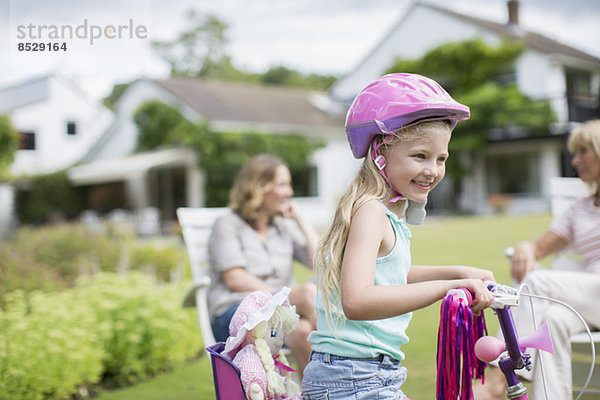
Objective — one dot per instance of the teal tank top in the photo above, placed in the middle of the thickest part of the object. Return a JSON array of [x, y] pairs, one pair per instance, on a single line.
[[367, 339]]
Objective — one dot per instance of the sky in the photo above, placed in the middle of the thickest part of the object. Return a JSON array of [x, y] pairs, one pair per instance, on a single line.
[[109, 41]]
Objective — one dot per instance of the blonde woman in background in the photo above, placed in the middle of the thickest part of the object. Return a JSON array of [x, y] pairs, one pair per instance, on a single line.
[[254, 247], [578, 226]]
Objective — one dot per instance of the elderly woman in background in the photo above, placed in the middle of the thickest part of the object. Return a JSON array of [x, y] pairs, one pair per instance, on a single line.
[[255, 245], [579, 226]]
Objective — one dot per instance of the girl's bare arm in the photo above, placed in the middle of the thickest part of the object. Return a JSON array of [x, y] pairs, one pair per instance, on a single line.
[[363, 300]]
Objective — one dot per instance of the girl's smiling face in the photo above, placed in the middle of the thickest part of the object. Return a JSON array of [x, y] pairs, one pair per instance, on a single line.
[[415, 166]]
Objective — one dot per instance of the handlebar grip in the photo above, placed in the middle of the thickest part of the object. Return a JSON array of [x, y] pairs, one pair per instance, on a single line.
[[491, 285], [463, 294]]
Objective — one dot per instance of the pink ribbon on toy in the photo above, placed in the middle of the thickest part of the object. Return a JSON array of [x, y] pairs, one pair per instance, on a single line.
[[282, 365]]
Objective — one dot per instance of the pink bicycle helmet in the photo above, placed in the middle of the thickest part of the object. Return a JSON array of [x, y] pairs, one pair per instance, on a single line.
[[396, 101]]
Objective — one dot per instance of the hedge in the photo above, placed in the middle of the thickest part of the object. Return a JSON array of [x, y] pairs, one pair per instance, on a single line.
[[51, 257], [108, 328]]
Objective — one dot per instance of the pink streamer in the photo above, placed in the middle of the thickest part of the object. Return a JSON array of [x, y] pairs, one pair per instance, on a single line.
[[456, 361]]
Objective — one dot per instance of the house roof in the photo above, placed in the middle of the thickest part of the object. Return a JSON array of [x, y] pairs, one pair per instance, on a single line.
[[253, 103], [24, 93], [119, 169], [531, 39]]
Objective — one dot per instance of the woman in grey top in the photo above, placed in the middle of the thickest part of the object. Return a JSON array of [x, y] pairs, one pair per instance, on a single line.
[[254, 247]]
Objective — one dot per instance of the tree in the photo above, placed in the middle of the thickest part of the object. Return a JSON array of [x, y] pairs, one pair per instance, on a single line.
[[220, 154], [45, 196], [198, 51], [284, 76], [474, 73], [156, 122], [463, 66], [110, 101], [9, 144]]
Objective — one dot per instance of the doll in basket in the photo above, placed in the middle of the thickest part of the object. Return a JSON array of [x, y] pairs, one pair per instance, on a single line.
[[256, 331]]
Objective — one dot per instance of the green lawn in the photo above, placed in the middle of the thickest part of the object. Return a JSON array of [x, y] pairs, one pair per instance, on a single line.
[[193, 381], [476, 241]]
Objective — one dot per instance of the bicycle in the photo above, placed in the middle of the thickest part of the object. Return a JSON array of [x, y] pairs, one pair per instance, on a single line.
[[512, 352]]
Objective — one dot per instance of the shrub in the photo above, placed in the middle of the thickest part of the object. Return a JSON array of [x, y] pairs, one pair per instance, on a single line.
[[9, 144], [120, 329], [160, 259], [42, 198], [19, 270], [53, 256], [59, 247], [144, 329], [48, 346]]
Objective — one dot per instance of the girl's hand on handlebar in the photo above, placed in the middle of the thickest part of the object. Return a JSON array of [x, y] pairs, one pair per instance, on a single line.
[[482, 297]]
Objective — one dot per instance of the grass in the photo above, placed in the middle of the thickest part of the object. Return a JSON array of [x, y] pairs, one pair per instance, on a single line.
[[192, 381], [476, 241]]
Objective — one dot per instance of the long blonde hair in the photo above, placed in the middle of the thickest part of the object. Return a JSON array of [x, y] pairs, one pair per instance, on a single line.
[[368, 184], [284, 318], [587, 136], [251, 184]]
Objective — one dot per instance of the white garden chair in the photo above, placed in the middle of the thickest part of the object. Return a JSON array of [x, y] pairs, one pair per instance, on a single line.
[[196, 225]]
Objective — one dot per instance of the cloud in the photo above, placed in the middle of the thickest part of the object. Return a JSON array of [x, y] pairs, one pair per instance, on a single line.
[[310, 35]]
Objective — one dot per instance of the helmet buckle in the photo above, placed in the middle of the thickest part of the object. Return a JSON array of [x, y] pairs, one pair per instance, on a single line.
[[380, 162]]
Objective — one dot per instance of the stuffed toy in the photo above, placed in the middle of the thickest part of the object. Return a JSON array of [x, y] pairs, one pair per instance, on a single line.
[[256, 331]]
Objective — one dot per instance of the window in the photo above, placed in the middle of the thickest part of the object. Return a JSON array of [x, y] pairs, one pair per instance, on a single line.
[[305, 182], [27, 141], [578, 84], [582, 102], [71, 128], [513, 173]]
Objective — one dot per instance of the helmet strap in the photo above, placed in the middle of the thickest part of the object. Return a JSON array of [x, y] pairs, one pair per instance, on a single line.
[[413, 211], [380, 163]]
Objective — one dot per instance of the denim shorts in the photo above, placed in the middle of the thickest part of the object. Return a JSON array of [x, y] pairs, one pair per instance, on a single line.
[[220, 326], [330, 377]]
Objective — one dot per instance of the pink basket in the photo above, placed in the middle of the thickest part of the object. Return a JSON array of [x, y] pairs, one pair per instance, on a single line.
[[226, 376]]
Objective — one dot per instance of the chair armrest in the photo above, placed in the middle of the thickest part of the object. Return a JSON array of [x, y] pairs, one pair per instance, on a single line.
[[583, 337], [189, 300]]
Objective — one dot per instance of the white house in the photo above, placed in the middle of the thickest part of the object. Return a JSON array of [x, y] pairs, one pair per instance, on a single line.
[[225, 106], [511, 162], [60, 127], [56, 120], [57, 124]]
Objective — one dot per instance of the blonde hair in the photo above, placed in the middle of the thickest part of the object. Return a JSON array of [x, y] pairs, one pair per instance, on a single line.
[[283, 318], [587, 136], [251, 184], [368, 184]]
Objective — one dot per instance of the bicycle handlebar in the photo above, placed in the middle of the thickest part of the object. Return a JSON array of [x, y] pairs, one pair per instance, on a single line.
[[506, 321], [504, 298], [490, 347]]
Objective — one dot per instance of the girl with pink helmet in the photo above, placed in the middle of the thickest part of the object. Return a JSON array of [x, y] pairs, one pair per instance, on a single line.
[[367, 288]]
